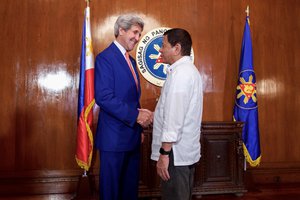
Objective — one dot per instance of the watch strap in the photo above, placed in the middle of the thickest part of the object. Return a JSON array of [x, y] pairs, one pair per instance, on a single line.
[[164, 152]]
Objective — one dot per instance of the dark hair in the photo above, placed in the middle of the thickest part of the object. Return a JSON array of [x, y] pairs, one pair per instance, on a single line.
[[181, 36]]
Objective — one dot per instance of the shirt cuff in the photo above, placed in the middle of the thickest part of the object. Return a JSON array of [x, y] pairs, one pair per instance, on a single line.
[[169, 137]]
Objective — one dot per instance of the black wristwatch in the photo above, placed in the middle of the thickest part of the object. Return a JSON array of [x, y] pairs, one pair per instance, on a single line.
[[163, 152]]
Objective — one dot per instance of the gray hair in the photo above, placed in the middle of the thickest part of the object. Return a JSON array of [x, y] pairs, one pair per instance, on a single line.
[[126, 21]]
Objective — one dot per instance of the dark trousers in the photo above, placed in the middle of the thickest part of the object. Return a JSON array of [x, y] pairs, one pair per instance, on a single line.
[[180, 185], [119, 175]]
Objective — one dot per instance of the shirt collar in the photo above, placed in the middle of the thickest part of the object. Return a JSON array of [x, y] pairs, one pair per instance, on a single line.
[[177, 63], [120, 47]]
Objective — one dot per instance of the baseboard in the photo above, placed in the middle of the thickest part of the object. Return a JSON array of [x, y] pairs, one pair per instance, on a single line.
[[40, 182], [274, 175], [67, 181]]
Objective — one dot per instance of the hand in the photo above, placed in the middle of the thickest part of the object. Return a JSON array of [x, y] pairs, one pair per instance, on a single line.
[[145, 117], [162, 167]]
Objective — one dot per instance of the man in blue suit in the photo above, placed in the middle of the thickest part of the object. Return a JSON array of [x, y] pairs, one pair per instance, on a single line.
[[120, 122]]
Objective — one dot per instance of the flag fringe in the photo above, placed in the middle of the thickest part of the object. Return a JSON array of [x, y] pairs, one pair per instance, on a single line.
[[253, 163], [81, 163]]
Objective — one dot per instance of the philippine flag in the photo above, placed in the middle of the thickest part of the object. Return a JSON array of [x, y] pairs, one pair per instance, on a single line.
[[86, 99]]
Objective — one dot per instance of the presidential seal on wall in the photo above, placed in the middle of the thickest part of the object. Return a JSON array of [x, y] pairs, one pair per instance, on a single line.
[[148, 57]]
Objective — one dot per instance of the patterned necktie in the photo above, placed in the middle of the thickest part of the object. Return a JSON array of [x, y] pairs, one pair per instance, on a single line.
[[131, 69]]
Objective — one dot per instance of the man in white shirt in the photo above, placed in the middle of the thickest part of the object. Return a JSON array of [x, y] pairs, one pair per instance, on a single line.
[[177, 118]]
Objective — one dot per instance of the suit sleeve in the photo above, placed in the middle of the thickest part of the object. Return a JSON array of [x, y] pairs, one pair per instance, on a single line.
[[105, 94]]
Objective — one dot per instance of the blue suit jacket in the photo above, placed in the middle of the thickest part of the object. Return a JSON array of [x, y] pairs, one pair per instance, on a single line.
[[117, 95]]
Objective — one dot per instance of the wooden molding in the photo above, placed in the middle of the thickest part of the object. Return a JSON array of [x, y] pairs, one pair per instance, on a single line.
[[39, 182], [66, 181], [274, 175]]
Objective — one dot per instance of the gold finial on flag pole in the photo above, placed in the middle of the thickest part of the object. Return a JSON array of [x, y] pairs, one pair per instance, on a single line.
[[87, 3], [247, 11]]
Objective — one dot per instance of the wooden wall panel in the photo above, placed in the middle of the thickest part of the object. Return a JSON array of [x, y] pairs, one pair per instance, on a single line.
[[276, 52], [40, 53]]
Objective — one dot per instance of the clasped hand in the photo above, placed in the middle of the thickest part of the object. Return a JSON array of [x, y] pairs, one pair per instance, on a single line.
[[145, 117]]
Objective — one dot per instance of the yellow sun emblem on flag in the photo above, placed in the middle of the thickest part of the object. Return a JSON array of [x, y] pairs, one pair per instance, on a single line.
[[248, 89], [89, 47]]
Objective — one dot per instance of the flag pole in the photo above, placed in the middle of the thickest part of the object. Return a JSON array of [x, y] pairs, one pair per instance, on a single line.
[[85, 171], [247, 11], [85, 187], [87, 3]]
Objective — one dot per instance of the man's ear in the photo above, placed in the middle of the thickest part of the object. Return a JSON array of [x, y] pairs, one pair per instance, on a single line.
[[177, 49], [121, 31]]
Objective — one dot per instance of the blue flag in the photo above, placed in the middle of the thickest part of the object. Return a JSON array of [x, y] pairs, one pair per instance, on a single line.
[[245, 108]]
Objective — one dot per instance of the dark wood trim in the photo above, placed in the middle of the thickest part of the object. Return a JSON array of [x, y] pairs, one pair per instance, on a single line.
[[39, 181], [279, 175], [66, 181]]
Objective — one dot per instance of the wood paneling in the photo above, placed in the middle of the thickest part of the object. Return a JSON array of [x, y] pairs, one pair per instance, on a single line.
[[276, 35], [40, 53]]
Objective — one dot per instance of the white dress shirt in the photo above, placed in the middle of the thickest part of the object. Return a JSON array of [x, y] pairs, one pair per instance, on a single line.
[[178, 113]]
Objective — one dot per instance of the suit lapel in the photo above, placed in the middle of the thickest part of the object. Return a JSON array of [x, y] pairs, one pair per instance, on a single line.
[[124, 66]]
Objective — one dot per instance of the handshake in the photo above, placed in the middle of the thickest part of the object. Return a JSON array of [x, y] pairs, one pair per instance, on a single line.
[[145, 117]]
